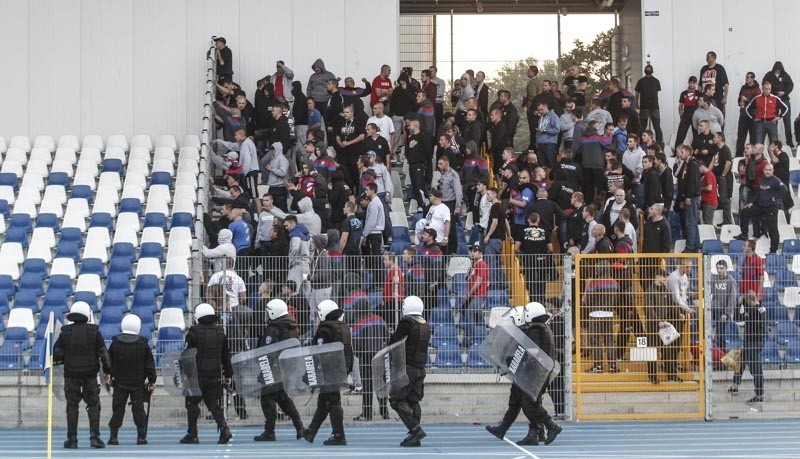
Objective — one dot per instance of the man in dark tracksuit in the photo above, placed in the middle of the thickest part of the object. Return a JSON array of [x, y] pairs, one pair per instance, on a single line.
[[764, 202], [660, 309], [131, 363], [331, 330], [754, 316], [212, 355], [281, 327], [418, 152], [405, 401], [82, 350], [688, 198]]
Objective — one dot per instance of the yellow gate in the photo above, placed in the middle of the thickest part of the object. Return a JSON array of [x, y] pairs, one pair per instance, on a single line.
[[639, 344]]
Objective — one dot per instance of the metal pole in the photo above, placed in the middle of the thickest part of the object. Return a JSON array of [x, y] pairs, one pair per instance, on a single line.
[[451, 50], [558, 29], [566, 308], [20, 363]]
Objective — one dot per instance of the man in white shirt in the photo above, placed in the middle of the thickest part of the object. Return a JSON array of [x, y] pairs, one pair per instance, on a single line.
[[438, 218], [384, 123], [233, 287], [678, 286]]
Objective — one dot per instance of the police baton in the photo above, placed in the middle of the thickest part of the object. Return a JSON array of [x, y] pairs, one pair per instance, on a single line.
[[148, 397]]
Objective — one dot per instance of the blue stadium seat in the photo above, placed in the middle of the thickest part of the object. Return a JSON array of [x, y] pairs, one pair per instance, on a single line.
[[731, 336], [58, 178], [68, 250], [399, 233], [497, 298], [47, 221], [12, 352], [7, 286], [144, 300], [770, 352], [31, 283], [73, 235], [89, 298], [9, 179], [161, 178], [736, 247], [17, 234], [82, 191], [712, 247], [5, 211], [102, 220], [775, 263], [115, 299], [169, 338], [109, 331], [26, 299], [176, 282], [148, 283], [794, 178], [93, 266], [784, 279], [130, 205], [109, 315], [21, 221], [35, 266], [441, 316], [793, 351], [183, 220], [34, 362], [112, 165], [444, 334], [399, 246], [448, 355], [120, 265], [775, 310], [152, 250], [474, 359], [117, 283], [60, 283], [790, 248], [124, 250], [155, 220], [146, 317], [57, 303], [4, 306], [785, 331], [175, 298]]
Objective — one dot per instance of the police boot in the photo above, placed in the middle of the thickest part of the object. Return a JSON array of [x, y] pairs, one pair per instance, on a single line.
[[500, 430], [308, 435], [553, 430], [225, 435], [414, 437], [96, 442], [532, 437], [112, 438], [268, 434], [71, 443], [336, 439], [190, 439]]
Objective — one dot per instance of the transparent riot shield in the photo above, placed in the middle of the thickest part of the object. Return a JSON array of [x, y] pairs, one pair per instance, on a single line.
[[57, 373], [528, 366], [320, 368], [389, 369], [179, 370], [257, 370]]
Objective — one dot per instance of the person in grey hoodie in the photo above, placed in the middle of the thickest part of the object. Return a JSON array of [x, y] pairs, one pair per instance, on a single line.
[[224, 249], [299, 251], [724, 298], [320, 278], [277, 168], [308, 218], [317, 87]]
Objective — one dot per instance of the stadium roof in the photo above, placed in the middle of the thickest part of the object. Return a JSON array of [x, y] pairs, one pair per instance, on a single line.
[[509, 6]]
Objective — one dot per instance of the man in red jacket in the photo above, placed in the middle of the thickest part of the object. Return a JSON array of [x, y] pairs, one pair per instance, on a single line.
[[766, 110], [752, 269]]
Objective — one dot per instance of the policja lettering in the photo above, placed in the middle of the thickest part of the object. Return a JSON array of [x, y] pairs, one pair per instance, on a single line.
[[266, 370], [310, 371], [516, 359], [387, 368]]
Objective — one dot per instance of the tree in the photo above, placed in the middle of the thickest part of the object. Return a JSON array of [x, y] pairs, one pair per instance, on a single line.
[[594, 60]]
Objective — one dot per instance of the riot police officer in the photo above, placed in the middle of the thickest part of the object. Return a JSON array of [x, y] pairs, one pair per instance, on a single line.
[[332, 329], [131, 364], [82, 350], [212, 354], [405, 401], [281, 326]]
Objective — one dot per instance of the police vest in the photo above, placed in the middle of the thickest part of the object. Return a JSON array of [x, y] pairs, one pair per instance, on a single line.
[[128, 360], [540, 334], [277, 331], [417, 342], [80, 354], [210, 342], [340, 333]]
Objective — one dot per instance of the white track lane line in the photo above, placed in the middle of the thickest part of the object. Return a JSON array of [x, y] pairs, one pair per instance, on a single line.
[[523, 450]]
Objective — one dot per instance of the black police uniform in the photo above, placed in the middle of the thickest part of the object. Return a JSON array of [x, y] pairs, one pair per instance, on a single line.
[[540, 333], [131, 363], [82, 350], [369, 334], [212, 354], [332, 330], [280, 329], [405, 401]]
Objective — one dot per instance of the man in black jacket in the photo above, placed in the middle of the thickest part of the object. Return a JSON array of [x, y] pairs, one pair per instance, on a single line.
[[764, 202], [688, 198], [131, 363], [212, 355], [657, 239], [281, 326], [666, 179], [417, 333], [661, 311], [418, 153], [782, 86], [331, 330], [82, 350], [651, 183], [754, 316]]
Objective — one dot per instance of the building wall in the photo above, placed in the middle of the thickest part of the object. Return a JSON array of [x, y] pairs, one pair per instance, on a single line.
[[746, 36], [137, 66]]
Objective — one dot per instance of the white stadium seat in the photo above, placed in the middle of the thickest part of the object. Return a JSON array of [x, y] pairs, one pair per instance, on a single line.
[[117, 141], [166, 141], [46, 142], [69, 141], [93, 141], [20, 141], [142, 141]]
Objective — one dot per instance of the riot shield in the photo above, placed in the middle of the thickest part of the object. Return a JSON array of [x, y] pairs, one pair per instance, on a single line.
[[389, 369], [310, 368], [525, 363], [57, 373], [257, 370], [179, 370]]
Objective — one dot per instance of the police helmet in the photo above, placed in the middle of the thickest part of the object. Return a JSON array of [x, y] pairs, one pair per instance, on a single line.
[[517, 314], [277, 308], [131, 324], [203, 310], [412, 306], [82, 308], [326, 307], [534, 310]]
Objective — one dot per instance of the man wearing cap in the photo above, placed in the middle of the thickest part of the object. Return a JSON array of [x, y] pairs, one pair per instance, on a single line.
[[131, 365], [385, 127], [475, 298], [82, 350], [224, 58], [376, 143], [383, 179]]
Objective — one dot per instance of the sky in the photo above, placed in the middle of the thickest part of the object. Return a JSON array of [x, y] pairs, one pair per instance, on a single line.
[[515, 38]]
